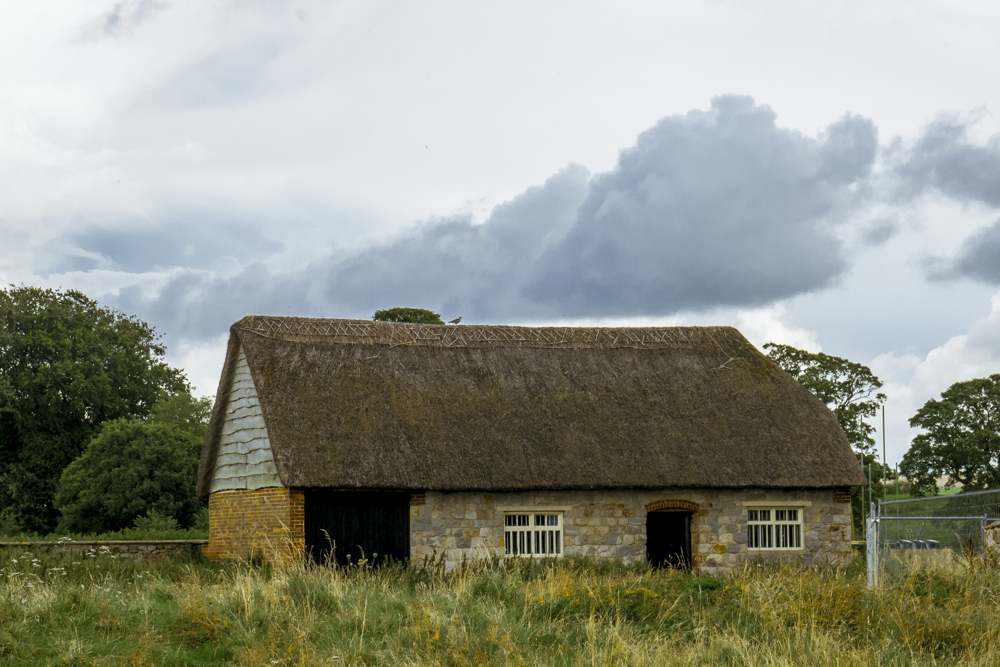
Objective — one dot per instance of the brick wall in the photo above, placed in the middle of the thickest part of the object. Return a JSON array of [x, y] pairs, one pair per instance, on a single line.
[[612, 524], [264, 523]]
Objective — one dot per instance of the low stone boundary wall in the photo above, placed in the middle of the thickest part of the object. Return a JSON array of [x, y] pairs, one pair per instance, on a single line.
[[138, 550]]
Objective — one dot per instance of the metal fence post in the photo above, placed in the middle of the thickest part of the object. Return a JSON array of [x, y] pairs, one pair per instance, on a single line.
[[871, 547]]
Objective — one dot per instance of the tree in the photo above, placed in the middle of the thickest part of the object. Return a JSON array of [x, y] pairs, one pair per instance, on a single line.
[[847, 388], [413, 315], [961, 439], [186, 412], [851, 391], [67, 367], [131, 468]]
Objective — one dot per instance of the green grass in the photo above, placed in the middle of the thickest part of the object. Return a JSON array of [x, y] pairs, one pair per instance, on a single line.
[[944, 491], [99, 611], [126, 534]]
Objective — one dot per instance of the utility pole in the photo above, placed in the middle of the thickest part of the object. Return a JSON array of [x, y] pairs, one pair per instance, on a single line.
[[884, 460]]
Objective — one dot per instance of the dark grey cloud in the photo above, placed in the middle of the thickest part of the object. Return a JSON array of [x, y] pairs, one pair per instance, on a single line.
[[453, 266], [463, 268], [194, 241], [879, 232], [977, 259], [123, 17], [945, 159], [713, 208], [196, 305]]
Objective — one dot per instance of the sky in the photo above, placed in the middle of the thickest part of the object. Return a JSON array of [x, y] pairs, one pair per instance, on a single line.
[[825, 176]]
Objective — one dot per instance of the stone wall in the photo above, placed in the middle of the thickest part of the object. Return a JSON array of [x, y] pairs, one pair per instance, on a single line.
[[138, 550], [263, 523], [612, 524]]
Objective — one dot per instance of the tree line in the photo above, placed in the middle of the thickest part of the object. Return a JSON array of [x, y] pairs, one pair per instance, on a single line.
[[96, 430], [98, 433]]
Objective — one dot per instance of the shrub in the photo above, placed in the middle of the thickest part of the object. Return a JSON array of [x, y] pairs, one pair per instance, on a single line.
[[131, 468]]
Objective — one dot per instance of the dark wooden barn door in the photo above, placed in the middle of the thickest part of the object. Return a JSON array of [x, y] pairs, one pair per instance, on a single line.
[[668, 539], [357, 524]]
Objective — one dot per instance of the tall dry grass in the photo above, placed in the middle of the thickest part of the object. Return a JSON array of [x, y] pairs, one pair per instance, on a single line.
[[98, 611]]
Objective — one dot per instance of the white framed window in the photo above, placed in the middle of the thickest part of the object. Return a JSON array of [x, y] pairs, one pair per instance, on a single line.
[[774, 528], [533, 534]]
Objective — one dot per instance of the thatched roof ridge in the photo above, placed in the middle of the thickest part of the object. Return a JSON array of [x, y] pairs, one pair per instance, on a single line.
[[368, 332], [375, 405]]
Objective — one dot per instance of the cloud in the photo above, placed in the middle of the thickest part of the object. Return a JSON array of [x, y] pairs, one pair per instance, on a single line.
[[123, 17], [717, 208], [912, 380], [176, 240], [879, 232], [713, 208], [463, 268], [453, 266], [945, 159], [977, 259]]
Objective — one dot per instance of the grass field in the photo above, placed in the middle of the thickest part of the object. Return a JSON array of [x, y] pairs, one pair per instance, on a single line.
[[98, 611]]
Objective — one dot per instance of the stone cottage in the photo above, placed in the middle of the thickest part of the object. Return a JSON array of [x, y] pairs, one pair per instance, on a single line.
[[351, 439]]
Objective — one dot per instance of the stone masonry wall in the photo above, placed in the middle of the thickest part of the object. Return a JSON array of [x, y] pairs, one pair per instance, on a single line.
[[134, 550], [264, 523], [612, 524]]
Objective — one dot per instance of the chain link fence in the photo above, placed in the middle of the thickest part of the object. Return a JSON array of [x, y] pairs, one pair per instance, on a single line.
[[934, 529]]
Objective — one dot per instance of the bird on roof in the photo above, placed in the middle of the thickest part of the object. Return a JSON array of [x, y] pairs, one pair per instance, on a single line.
[[456, 320]]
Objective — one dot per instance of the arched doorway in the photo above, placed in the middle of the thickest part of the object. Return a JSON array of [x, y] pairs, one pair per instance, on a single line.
[[668, 533]]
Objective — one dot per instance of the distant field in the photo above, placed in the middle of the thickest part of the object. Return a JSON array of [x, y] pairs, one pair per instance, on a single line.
[[97, 611], [904, 496]]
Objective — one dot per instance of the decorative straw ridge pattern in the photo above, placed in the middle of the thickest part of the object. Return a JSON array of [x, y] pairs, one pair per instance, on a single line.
[[476, 336]]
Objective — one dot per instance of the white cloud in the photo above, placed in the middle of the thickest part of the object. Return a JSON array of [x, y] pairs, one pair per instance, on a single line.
[[202, 362], [911, 380]]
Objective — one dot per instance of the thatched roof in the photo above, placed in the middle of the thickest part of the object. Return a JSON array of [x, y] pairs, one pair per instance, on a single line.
[[373, 405]]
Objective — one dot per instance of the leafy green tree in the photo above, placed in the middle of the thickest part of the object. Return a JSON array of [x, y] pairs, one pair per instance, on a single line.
[[186, 412], [961, 439], [848, 388], [851, 391], [131, 468], [67, 366], [412, 315]]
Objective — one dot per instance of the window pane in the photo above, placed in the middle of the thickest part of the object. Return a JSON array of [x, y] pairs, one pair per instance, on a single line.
[[752, 515], [530, 535], [793, 515], [779, 515]]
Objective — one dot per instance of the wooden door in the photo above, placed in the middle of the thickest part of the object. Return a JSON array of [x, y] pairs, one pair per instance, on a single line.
[[354, 525]]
